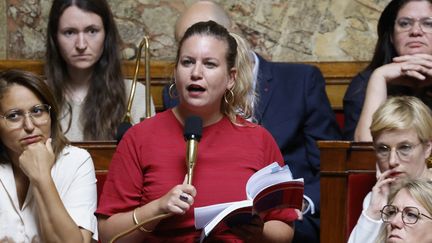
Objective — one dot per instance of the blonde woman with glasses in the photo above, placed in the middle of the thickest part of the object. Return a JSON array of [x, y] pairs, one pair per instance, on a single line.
[[47, 187], [402, 134], [408, 215]]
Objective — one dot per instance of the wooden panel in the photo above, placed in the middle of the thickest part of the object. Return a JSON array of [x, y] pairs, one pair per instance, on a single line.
[[35, 66], [100, 151], [335, 93], [337, 75], [338, 160], [158, 69], [339, 70]]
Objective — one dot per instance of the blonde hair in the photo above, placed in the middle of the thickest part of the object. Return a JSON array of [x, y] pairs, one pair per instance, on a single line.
[[419, 189], [403, 112], [243, 90]]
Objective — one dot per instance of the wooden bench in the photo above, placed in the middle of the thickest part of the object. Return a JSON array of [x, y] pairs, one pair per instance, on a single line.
[[343, 165], [336, 74], [101, 153]]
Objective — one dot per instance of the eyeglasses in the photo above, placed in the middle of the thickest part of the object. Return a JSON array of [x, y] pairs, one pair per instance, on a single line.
[[410, 215], [406, 24], [403, 151], [39, 114]]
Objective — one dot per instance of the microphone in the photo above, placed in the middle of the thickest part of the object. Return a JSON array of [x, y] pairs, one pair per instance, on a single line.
[[192, 135]]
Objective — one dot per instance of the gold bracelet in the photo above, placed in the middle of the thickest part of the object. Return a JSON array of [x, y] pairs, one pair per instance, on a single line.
[[135, 220]]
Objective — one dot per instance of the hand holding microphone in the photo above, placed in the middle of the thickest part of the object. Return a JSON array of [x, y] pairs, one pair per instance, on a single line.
[[179, 199], [192, 135]]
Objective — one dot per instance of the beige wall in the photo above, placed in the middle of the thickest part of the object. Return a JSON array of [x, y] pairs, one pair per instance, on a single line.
[[282, 30]]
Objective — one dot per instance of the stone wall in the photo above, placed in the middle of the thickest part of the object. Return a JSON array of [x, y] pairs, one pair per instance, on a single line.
[[281, 30]]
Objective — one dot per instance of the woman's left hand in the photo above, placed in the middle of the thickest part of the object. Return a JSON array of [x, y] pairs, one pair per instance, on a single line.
[[37, 160], [417, 66]]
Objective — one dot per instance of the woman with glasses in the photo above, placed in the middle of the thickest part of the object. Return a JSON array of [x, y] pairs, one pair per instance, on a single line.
[[402, 137], [47, 187], [408, 215], [401, 65]]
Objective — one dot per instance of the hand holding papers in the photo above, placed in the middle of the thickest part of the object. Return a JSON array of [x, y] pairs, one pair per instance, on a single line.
[[269, 188]]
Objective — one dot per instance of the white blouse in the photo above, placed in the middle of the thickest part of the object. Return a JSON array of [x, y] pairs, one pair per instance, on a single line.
[[74, 177]]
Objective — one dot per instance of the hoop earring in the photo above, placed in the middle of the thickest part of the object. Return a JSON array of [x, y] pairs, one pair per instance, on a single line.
[[229, 97], [172, 91], [429, 162]]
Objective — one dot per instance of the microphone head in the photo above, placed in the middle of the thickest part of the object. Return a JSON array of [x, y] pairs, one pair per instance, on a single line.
[[193, 128], [121, 130]]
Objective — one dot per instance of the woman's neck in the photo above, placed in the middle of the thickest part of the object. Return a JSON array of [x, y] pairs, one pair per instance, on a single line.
[[78, 84], [79, 77], [208, 118]]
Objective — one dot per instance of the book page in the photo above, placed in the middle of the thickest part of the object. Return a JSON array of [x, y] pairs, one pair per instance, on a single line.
[[203, 215], [267, 176], [282, 195], [232, 208]]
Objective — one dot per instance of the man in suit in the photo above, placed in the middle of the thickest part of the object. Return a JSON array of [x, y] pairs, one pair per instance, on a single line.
[[292, 105]]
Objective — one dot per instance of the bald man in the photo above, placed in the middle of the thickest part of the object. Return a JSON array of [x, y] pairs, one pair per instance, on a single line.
[[199, 12], [292, 105]]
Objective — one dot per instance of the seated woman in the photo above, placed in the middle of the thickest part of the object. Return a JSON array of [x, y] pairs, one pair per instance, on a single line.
[[401, 65], [402, 136], [83, 68], [147, 170], [414, 201], [47, 187]]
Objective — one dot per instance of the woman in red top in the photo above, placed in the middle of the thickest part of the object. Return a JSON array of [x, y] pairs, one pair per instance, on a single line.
[[147, 170]]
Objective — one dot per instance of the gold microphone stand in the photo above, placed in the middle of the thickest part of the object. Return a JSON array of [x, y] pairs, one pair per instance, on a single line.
[[144, 43], [127, 118]]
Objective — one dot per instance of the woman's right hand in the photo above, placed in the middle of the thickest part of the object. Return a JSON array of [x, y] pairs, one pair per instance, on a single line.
[[178, 200], [37, 160], [380, 193]]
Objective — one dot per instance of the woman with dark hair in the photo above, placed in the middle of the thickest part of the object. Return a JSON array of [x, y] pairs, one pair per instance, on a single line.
[[147, 170], [47, 187], [400, 65], [83, 67]]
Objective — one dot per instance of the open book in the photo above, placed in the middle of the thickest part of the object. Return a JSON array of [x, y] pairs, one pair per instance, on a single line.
[[269, 188]]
